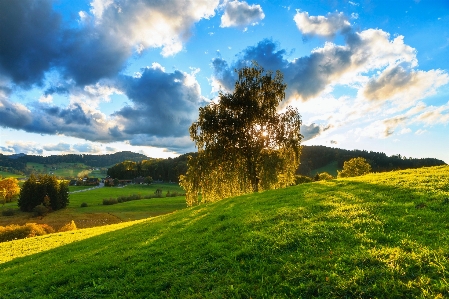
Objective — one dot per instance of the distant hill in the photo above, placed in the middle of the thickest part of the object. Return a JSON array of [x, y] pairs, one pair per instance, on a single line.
[[18, 162], [312, 159]]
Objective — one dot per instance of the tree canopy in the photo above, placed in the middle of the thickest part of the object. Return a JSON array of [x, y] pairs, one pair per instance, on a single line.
[[9, 188], [244, 143], [355, 167], [43, 189]]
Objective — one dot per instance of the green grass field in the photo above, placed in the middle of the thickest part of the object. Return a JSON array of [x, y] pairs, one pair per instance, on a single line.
[[96, 213], [382, 235], [66, 170], [5, 175]]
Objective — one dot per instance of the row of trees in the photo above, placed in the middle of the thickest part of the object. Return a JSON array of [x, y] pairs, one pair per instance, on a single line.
[[317, 156], [43, 190], [159, 169]]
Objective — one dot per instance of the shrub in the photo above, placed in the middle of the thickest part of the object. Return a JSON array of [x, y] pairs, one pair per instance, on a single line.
[[12, 232], [40, 210], [355, 167], [324, 176], [68, 227], [84, 205], [301, 179], [110, 201], [8, 212]]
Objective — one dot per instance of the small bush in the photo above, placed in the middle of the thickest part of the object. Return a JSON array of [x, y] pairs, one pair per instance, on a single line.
[[110, 201], [301, 179], [84, 205], [40, 210], [13, 231], [324, 176], [8, 212], [68, 227]]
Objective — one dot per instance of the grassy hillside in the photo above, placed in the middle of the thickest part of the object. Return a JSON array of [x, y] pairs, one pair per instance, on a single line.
[[378, 236]]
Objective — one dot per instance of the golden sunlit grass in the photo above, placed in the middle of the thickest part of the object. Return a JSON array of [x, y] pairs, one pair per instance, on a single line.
[[19, 248]]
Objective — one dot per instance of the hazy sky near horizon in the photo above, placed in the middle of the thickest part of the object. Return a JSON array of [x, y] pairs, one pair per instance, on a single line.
[[96, 77]]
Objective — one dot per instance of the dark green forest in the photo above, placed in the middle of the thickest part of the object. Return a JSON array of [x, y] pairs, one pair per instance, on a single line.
[[119, 166]]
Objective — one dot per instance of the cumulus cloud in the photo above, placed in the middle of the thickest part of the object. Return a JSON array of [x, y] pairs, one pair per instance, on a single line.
[[101, 43], [320, 25], [435, 115], [398, 80], [26, 147], [381, 71], [241, 14], [364, 53], [62, 147], [87, 148], [313, 130], [163, 104], [29, 29]]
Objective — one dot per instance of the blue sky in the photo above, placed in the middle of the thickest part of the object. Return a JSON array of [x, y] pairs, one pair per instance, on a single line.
[[96, 77]]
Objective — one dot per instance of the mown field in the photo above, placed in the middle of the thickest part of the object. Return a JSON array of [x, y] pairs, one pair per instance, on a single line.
[[96, 213], [377, 236]]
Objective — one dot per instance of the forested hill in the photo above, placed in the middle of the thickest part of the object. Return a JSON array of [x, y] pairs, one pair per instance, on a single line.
[[18, 162], [313, 157]]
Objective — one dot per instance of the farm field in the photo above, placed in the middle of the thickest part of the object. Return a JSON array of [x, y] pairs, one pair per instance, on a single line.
[[382, 235], [5, 175], [96, 213], [66, 170]]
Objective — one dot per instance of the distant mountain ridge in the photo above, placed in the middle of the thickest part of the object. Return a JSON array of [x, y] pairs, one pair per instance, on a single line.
[[19, 161]]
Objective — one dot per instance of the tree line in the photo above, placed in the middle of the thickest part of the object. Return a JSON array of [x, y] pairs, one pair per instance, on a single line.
[[167, 170], [313, 157], [19, 162]]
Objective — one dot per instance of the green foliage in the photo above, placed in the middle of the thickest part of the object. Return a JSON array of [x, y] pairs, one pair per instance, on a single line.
[[244, 144], [301, 179], [13, 232], [40, 211], [8, 212], [39, 188], [84, 205], [110, 201], [355, 167], [324, 176], [9, 189], [68, 227]]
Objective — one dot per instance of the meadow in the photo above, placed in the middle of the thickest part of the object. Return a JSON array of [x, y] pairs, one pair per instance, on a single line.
[[382, 235], [96, 214], [66, 170]]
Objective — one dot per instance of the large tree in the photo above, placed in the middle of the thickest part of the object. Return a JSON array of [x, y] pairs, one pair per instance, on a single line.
[[244, 143], [355, 167], [9, 188]]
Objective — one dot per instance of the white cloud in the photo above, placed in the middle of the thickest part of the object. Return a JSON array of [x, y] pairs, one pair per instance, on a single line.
[[240, 14], [321, 25], [151, 24]]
